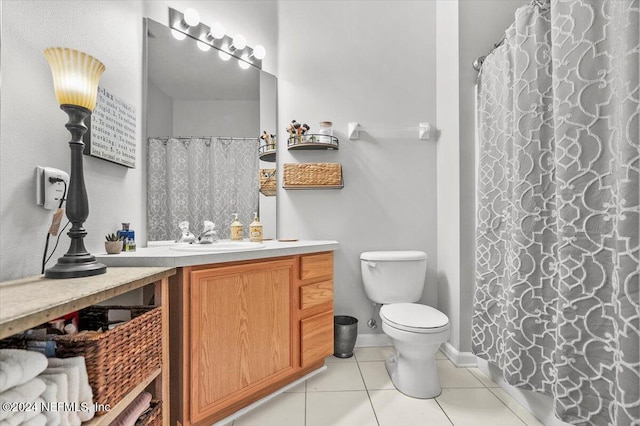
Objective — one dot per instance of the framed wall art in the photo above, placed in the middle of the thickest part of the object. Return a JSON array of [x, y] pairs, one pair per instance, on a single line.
[[112, 130]]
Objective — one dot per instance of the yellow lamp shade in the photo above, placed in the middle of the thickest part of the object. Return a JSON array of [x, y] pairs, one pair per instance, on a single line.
[[75, 76]]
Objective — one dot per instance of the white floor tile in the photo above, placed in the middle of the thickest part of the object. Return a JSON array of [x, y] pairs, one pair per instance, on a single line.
[[332, 358], [440, 355], [476, 407], [486, 380], [375, 375], [515, 406], [285, 409], [339, 409], [374, 354], [338, 377], [453, 377], [301, 387], [392, 408]]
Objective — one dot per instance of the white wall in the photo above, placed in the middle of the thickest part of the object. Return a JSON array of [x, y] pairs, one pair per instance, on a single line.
[[466, 30], [447, 100], [33, 131], [343, 61], [159, 113], [216, 118]]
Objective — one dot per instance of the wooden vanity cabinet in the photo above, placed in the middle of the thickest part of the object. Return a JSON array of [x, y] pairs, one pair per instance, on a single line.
[[245, 329]]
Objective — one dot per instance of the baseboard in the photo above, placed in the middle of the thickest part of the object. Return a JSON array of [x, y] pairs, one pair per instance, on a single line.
[[370, 339], [227, 420], [460, 359], [537, 404]]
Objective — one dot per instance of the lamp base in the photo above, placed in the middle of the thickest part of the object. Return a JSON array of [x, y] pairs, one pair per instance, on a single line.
[[73, 266]]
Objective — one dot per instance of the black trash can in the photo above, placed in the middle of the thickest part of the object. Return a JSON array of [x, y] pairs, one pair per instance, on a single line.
[[345, 332]]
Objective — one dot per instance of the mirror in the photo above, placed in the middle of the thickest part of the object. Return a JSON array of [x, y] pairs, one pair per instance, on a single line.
[[204, 120]]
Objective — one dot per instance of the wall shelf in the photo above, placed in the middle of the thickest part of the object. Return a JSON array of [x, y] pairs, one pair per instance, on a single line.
[[267, 152], [313, 176], [313, 142]]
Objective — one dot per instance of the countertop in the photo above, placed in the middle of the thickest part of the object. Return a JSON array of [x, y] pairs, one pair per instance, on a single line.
[[30, 301], [163, 255]]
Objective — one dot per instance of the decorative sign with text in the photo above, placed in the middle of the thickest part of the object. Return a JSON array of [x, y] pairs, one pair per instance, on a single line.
[[112, 130]]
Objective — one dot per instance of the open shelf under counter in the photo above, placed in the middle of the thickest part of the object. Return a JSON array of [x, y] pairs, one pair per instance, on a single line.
[[114, 412], [31, 301]]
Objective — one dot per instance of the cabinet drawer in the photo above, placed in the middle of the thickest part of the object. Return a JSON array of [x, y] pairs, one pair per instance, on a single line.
[[316, 338], [316, 294], [316, 266]]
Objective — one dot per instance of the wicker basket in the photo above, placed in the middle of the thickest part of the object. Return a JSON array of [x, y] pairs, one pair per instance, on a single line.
[[312, 175], [268, 182], [153, 417], [117, 360]]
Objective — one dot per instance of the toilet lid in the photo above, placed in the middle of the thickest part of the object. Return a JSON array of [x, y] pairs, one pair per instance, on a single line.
[[413, 315]]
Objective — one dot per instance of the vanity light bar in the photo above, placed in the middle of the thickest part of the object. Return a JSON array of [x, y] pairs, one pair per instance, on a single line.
[[202, 33]]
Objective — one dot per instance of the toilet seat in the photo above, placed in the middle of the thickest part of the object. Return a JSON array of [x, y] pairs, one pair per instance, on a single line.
[[414, 317]]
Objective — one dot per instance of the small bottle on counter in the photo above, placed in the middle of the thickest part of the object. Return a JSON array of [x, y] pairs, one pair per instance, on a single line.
[[236, 229], [128, 238], [255, 229]]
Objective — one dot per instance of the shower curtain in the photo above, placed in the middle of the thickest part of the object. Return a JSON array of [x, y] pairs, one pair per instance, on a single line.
[[557, 304], [198, 179]]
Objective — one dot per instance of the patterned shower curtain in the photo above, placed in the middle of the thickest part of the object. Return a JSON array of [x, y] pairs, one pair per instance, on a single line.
[[198, 179], [557, 303]]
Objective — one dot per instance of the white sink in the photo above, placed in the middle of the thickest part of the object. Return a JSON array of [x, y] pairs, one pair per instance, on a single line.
[[219, 246]]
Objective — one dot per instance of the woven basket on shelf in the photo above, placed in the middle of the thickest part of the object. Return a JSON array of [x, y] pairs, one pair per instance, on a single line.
[[153, 417], [268, 182], [117, 360], [316, 175]]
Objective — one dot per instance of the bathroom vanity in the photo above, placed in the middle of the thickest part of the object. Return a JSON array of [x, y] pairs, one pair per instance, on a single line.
[[243, 324]]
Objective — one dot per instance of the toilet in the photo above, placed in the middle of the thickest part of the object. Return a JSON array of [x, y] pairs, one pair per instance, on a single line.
[[395, 279]]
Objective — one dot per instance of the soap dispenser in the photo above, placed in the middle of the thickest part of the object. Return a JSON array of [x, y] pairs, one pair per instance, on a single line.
[[236, 228], [255, 229]]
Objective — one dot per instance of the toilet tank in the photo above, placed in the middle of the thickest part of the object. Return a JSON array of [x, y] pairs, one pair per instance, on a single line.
[[393, 276]]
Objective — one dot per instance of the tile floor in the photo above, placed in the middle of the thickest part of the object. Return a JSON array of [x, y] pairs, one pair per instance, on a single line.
[[358, 392]]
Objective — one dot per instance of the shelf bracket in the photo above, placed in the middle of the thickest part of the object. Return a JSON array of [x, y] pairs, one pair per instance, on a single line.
[[353, 130], [424, 131]]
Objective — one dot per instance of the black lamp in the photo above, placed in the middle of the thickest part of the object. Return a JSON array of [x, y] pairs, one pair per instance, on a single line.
[[75, 81]]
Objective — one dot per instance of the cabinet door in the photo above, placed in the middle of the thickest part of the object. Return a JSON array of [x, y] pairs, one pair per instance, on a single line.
[[241, 332], [316, 338]]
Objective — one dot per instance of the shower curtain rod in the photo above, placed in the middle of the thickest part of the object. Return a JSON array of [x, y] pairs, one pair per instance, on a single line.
[[477, 64], [203, 137]]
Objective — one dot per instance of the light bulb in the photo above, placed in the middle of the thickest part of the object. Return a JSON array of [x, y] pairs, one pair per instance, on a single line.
[[203, 46], [178, 35], [244, 65], [191, 17], [224, 55], [217, 30], [259, 52], [239, 42]]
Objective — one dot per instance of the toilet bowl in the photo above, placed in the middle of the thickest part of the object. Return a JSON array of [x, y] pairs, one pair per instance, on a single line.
[[396, 279], [417, 331]]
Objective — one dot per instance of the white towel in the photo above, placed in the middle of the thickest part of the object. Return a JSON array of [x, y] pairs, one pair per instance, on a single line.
[[85, 394], [37, 420], [133, 411], [27, 392], [50, 395], [19, 417], [62, 396], [18, 367], [73, 378]]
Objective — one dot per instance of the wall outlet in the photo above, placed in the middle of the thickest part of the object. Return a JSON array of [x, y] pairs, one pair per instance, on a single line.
[[48, 192]]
